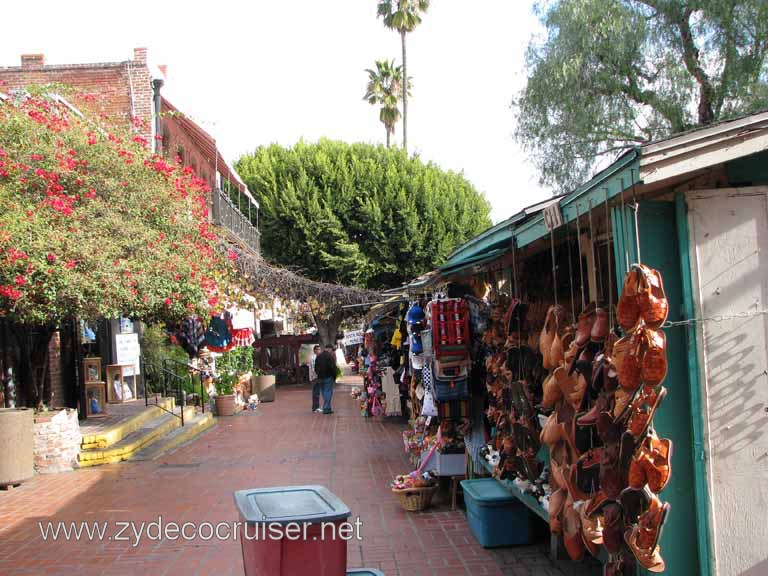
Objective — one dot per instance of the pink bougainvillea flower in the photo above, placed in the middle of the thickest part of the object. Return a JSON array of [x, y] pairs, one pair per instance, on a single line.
[[168, 301], [51, 257], [70, 264]]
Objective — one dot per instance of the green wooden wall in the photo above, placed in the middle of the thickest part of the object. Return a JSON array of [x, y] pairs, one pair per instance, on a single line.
[[659, 249]]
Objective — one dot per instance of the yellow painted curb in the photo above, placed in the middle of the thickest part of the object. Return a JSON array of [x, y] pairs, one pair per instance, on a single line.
[[107, 455], [190, 432], [126, 427]]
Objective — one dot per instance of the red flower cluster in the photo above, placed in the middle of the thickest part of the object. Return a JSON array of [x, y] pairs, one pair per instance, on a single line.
[[10, 293]]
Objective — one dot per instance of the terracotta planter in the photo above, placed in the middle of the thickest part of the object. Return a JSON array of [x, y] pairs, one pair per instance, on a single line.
[[225, 405], [264, 386], [16, 445]]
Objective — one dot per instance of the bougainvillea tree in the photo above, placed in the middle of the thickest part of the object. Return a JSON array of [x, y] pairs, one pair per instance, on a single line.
[[95, 225]]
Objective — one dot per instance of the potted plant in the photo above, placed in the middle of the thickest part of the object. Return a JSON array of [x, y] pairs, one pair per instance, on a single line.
[[225, 397], [264, 386]]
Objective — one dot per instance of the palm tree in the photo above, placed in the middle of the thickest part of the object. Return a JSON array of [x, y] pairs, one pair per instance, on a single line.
[[385, 87], [403, 16]]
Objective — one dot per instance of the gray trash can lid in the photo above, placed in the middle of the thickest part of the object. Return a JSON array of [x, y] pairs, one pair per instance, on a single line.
[[290, 504]]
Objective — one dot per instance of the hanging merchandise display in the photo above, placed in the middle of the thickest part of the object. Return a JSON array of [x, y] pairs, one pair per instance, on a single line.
[[218, 337], [570, 406], [603, 447], [373, 399], [191, 336], [439, 374]]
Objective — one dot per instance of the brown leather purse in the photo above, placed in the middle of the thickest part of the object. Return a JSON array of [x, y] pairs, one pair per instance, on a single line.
[[552, 392], [572, 540], [651, 299], [628, 309], [654, 368]]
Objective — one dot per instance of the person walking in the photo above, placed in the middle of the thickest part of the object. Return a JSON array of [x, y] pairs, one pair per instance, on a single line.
[[313, 379], [325, 367]]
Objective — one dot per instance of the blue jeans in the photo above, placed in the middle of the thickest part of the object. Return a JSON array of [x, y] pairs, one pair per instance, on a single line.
[[316, 394], [327, 384]]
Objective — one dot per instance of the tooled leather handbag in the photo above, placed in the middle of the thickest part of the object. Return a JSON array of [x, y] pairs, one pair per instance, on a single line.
[[654, 367], [651, 299], [628, 309]]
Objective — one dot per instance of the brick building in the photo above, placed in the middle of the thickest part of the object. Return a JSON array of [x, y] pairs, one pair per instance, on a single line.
[[121, 89], [128, 90]]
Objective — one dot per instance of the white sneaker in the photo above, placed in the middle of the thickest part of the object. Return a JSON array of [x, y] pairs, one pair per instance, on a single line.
[[320, 410]]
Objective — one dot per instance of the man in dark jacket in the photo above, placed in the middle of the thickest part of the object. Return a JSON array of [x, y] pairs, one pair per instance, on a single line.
[[325, 368]]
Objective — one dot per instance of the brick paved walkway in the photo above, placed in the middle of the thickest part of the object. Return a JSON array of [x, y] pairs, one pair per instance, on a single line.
[[281, 444]]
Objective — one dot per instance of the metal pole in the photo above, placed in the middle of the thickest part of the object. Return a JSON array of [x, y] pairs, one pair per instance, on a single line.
[[610, 266], [624, 226], [570, 273], [636, 207], [592, 250], [514, 268], [581, 264], [554, 265]]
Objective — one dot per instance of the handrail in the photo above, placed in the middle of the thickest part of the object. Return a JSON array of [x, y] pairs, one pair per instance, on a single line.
[[170, 380], [190, 367]]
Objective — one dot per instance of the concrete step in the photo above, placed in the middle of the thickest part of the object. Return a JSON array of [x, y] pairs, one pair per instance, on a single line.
[[124, 428], [150, 432], [192, 428]]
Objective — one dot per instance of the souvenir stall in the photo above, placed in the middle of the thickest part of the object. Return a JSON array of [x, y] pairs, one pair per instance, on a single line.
[[581, 419], [441, 366], [381, 364], [221, 355]]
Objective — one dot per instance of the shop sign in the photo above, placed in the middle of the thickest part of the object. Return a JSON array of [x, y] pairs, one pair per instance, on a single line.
[[553, 217], [127, 351], [353, 337]]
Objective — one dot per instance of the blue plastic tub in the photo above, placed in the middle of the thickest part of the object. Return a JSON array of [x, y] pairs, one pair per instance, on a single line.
[[365, 572], [495, 517]]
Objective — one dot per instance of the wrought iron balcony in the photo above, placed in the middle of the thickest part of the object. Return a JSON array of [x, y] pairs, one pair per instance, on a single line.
[[229, 217]]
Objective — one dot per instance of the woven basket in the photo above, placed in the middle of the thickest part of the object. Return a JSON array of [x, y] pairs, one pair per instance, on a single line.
[[415, 499]]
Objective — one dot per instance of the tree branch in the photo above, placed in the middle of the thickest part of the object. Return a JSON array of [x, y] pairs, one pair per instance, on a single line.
[[692, 64]]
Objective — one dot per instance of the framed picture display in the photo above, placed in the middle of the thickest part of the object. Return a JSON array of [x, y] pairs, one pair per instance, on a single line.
[[95, 399], [121, 382], [92, 370]]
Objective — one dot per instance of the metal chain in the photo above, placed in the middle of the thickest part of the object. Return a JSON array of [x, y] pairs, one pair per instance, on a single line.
[[718, 318]]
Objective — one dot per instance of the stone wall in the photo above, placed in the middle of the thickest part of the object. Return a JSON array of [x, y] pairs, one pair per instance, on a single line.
[[57, 441]]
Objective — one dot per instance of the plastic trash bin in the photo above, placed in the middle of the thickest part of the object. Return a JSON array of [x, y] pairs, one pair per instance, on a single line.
[[292, 531], [495, 517]]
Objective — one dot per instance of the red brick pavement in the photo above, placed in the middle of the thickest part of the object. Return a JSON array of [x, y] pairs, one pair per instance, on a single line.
[[281, 444]]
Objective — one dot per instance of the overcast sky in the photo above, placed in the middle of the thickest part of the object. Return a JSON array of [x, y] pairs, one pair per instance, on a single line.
[[257, 72]]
